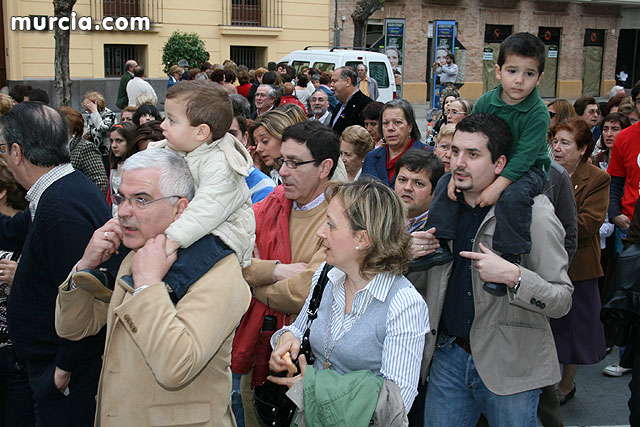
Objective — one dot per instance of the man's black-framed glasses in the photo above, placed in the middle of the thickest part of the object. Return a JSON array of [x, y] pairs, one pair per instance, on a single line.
[[137, 202], [291, 164]]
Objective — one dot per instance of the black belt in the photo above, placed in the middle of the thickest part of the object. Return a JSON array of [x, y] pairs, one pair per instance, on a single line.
[[466, 346]]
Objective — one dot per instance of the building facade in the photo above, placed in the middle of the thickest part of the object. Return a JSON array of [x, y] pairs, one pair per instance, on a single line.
[[581, 38], [251, 32]]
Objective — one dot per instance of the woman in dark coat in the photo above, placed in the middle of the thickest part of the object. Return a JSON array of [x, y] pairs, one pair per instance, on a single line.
[[579, 335]]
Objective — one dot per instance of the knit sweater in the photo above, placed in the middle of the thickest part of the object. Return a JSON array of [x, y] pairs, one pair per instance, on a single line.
[[528, 122], [68, 212]]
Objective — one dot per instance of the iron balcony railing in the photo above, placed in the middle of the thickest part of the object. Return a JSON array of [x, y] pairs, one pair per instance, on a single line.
[[127, 9], [252, 13]]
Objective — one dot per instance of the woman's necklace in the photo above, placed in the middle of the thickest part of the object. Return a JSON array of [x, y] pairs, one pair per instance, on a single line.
[[327, 354]]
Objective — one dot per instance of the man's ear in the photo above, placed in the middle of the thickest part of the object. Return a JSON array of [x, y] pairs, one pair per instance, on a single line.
[[325, 168], [180, 206], [203, 132], [16, 156], [500, 164]]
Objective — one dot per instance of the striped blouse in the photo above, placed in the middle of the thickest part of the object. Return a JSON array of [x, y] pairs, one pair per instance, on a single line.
[[384, 331]]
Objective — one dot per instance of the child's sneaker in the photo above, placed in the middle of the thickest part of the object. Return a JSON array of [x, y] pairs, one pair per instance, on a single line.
[[98, 283], [440, 256], [615, 370]]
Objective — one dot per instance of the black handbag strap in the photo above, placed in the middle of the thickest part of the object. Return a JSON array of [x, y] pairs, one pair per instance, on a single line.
[[312, 312]]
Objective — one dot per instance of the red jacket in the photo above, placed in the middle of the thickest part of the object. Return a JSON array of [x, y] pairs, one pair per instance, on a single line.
[[272, 239]]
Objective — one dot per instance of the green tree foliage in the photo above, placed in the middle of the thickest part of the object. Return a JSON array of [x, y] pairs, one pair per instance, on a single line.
[[187, 46]]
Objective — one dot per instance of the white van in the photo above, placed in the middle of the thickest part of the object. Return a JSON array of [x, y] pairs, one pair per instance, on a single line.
[[329, 59]]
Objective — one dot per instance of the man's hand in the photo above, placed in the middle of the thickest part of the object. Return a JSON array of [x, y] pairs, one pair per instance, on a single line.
[[622, 221], [285, 271], [492, 267], [151, 263], [61, 379], [103, 244], [7, 270], [423, 243]]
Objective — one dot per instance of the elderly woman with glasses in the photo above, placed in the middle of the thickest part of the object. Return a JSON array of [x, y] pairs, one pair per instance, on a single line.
[[400, 132]]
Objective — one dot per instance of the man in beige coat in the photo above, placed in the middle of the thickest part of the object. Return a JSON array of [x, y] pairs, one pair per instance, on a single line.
[[491, 354], [171, 319]]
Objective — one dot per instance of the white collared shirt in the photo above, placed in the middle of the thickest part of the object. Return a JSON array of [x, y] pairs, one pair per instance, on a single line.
[[40, 186]]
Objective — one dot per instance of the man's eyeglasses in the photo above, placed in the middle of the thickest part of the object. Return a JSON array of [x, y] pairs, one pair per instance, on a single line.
[[552, 114], [2, 150], [137, 202], [291, 164]]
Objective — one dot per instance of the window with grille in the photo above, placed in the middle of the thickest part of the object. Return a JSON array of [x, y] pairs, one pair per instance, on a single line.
[[250, 56], [245, 12], [124, 8], [115, 56]]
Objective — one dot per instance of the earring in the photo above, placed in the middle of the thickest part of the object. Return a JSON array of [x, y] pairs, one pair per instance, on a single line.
[[357, 248]]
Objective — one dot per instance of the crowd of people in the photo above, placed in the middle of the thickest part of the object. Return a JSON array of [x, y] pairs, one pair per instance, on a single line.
[[282, 226]]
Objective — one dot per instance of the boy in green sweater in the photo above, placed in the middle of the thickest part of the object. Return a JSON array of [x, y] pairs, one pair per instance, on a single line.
[[519, 69]]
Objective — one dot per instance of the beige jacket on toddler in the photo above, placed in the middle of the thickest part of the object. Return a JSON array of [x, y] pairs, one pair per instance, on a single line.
[[222, 203]]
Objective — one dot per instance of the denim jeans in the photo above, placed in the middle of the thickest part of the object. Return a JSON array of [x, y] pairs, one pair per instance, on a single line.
[[236, 400], [456, 394]]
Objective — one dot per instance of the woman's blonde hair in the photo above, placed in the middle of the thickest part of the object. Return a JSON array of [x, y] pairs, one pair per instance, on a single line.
[[6, 103], [445, 130], [145, 98], [359, 138], [371, 206], [97, 98], [274, 122]]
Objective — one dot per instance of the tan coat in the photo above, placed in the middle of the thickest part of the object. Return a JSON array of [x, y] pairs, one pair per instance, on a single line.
[[511, 341], [163, 365], [591, 188]]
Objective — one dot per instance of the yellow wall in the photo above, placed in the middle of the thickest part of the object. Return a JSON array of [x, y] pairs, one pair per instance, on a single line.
[[31, 53]]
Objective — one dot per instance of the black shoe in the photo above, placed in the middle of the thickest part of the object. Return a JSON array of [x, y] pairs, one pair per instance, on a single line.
[[98, 283], [440, 256], [500, 289]]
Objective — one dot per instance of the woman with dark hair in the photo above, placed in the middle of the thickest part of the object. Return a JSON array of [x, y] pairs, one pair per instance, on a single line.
[[145, 113], [146, 133], [85, 156], [16, 397], [447, 96], [370, 318], [579, 335], [244, 85], [122, 147], [301, 90], [370, 115], [400, 131], [612, 125]]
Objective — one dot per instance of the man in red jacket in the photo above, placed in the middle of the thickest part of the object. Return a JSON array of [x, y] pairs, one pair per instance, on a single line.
[[287, 251]]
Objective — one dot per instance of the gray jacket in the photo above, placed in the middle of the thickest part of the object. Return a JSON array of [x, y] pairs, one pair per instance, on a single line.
[[511, 340]]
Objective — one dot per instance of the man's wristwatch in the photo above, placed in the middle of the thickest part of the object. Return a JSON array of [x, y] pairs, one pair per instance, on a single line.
[[515, 288]]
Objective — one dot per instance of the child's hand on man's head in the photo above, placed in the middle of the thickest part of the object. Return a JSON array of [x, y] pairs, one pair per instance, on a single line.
[[451, 190]]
